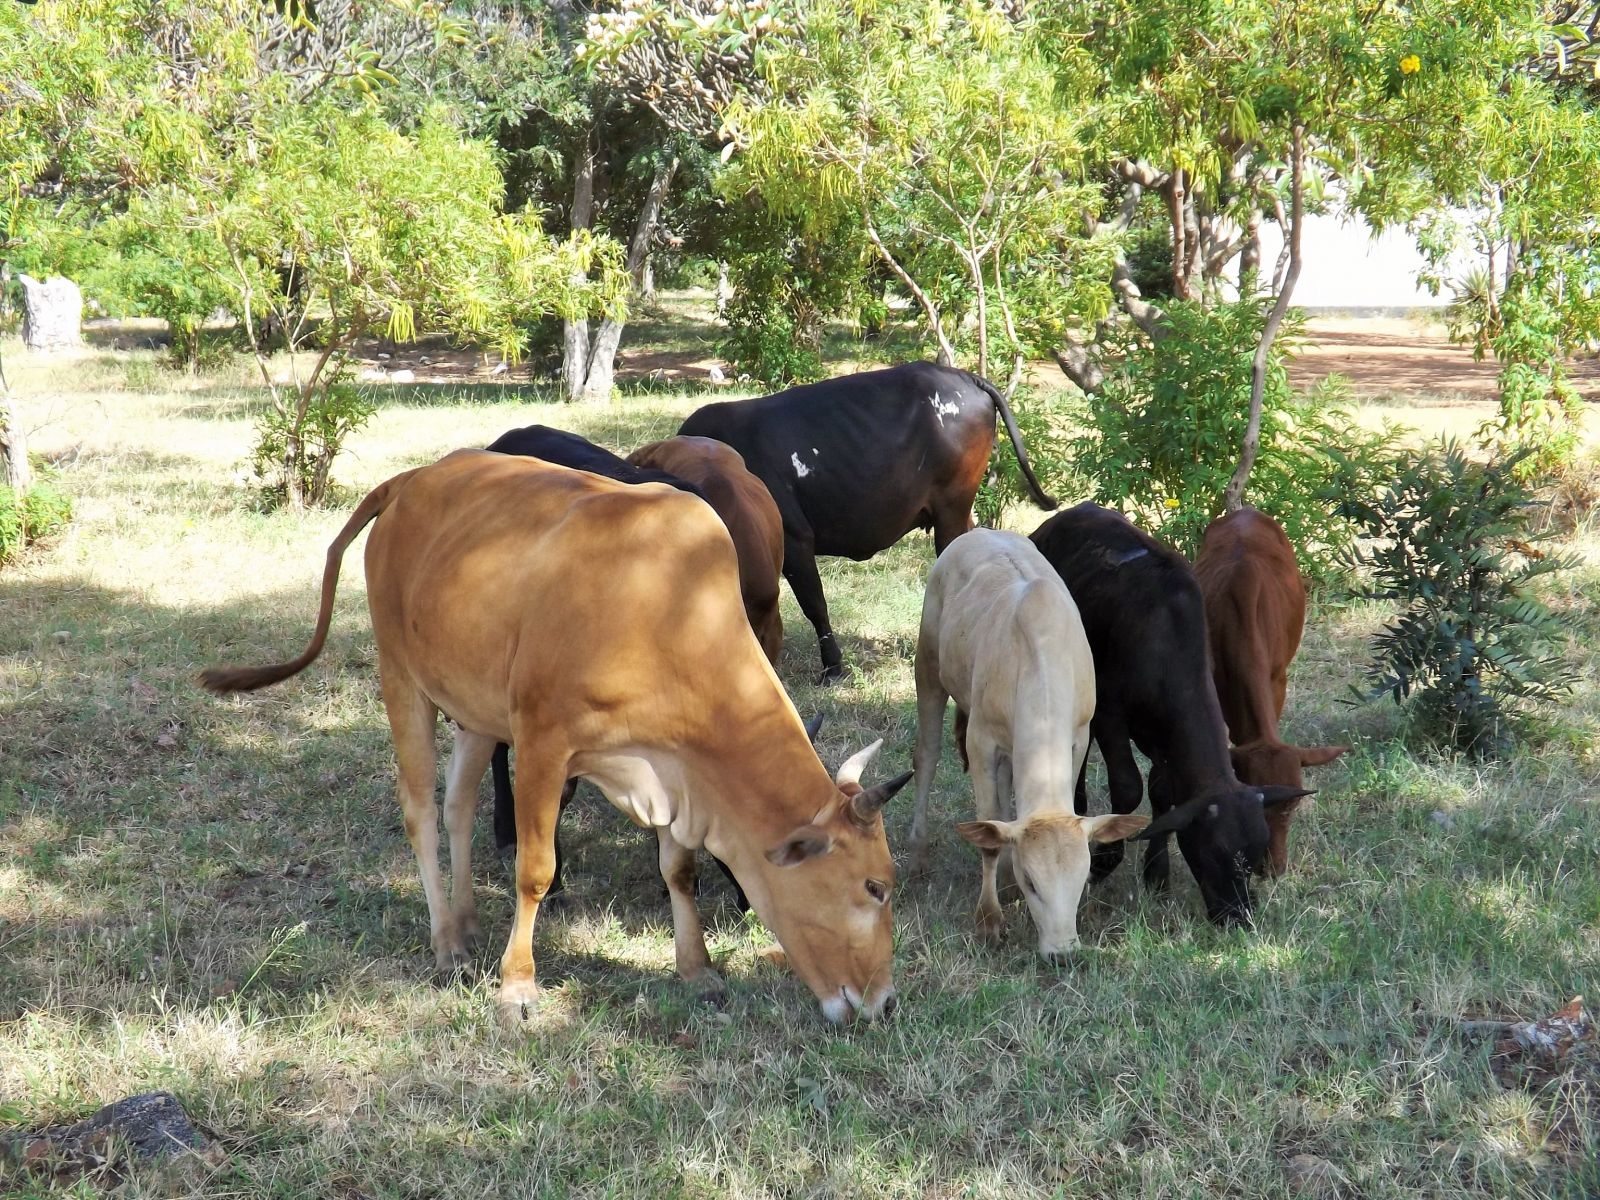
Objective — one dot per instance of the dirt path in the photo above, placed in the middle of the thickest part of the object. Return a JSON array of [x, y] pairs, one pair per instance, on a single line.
[[1385, 357]]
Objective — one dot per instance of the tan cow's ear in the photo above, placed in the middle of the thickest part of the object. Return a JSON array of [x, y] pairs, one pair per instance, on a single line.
[[806, 842], [1317, 756], [1113, 827], [850, 770], [988, 835]]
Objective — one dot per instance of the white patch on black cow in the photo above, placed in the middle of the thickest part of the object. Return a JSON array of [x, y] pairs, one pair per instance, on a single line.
[[800, 469], [943, 408]]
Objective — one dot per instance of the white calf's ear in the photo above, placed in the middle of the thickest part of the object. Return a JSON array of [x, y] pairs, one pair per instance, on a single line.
[[1113, 827], [806, 842], [988, 835], [850, 771]]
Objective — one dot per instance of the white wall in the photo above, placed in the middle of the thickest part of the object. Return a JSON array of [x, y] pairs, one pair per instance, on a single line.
[[1345, 266]]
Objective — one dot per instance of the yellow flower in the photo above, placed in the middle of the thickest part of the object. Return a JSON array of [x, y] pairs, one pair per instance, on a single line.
[[1173, 502], [1410, 65]]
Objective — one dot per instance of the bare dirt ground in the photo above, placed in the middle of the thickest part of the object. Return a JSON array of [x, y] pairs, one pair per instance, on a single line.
[[1391, 356], [1383, 357]]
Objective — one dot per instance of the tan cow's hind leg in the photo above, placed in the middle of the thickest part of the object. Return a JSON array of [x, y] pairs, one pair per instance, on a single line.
[[412, 719], [467, 765], [541, 774], [688, 936]]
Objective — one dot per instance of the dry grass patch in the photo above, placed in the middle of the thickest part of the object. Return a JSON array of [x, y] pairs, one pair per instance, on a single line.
[[216, 897]]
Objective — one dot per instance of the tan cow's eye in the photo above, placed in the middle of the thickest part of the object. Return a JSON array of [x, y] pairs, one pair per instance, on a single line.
[[878, 891]]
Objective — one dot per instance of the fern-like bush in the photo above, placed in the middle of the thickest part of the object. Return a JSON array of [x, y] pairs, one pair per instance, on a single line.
[[1473, 650]]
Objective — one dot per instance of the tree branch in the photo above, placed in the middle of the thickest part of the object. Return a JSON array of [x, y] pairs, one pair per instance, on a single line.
[[1233, 496]]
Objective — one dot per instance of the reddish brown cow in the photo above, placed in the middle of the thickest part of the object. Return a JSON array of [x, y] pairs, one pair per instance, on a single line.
[[1255, 612], [746, 508]]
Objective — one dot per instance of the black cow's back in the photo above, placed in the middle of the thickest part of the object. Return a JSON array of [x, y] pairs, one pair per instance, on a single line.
[[855, 463], [1141, 607], [565, 449]]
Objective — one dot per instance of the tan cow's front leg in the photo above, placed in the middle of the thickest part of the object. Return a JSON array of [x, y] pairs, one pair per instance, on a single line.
[[688, 936], [541, 774], [984, 756]]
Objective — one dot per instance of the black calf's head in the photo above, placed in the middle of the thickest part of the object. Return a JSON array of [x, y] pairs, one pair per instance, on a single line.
[[1223, 837]]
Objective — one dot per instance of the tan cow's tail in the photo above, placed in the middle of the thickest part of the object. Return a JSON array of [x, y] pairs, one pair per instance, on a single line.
[[1040, 497], [248, 679]]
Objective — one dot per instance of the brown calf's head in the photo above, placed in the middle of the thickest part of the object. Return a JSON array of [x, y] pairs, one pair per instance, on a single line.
[[824, 892], [1050, 859], [1271, 763]]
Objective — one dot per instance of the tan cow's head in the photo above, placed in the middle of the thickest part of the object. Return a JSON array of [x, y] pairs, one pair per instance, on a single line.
[[1050, 859], [824, 892]]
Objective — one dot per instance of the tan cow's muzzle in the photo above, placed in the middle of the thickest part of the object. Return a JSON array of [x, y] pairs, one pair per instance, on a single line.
[[847, 1003]]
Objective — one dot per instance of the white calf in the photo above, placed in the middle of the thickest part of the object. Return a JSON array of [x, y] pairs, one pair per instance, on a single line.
[[1002, 637]]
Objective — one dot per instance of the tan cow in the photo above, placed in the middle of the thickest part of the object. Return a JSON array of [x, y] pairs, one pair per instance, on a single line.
[[571, 616], [1001, 636], [746, 508]]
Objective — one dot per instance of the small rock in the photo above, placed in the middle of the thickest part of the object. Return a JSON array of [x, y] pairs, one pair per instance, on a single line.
[[151, 1125], [1442, 819], [371, 375], [385, 357], [714, 373], [403, 375], [500, 368], [62, 635]]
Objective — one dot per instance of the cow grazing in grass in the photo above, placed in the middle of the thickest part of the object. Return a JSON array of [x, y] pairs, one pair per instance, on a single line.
[[746, 508], [1255, 612], [1001, 636], [856, 463], [566, 449], [1146, 624], [569, 615]]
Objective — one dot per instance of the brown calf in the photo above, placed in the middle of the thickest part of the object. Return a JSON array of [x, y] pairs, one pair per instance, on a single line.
[[1255, 612], [746, 508]]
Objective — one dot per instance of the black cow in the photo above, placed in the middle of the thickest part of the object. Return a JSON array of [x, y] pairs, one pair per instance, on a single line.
[[1143, 612], [567, 450], [856, 463]]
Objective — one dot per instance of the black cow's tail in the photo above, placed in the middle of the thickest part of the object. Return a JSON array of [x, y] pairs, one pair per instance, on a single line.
[[1040, 497]]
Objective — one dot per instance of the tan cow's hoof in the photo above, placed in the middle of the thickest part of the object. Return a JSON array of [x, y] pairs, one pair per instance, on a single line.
[[991, 927], [518, 1002], [451, 964]]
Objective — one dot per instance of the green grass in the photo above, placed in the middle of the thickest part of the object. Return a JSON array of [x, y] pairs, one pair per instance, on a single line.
[[215, 896]]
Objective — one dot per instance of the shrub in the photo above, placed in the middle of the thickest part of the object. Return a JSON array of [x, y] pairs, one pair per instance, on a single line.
[[1472, 646], [1046, 421], [43, 511], [1164, 435], [304, 436]]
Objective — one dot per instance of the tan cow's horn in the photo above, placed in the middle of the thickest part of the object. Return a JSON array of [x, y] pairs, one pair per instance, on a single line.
[[850, 771], [865, 805]]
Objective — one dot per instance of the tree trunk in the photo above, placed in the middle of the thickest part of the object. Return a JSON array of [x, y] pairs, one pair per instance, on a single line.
[[575, 333], [1250, 254], [1233, 496], [52, 313], [647, 282], [602, 366], [724, 290], [13, 448]]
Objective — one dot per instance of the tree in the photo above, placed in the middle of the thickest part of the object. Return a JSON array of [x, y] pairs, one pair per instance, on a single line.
[[950, 138], [371, 228]]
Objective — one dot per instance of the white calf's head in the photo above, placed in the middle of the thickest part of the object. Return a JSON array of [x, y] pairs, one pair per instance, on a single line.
[[1050, 859]]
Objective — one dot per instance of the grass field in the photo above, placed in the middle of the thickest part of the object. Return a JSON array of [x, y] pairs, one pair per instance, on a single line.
[[215, 897]]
